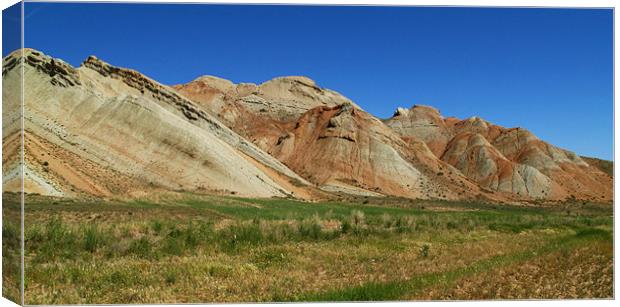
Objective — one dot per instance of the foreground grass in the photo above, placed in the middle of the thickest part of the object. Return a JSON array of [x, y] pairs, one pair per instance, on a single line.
[[395, 290], [582, 271], [11, 251], [193, 248]]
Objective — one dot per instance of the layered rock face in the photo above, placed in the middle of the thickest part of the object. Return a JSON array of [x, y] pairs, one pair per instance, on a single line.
[[329, 140], [260, 113], [345, 147], [108, 131], [502, 159], [422, 123]]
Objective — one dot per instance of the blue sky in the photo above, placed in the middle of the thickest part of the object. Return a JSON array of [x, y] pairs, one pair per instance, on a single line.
[[548, 70], [11, 28]]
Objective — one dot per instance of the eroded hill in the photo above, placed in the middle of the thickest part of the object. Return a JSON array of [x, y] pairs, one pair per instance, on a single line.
[[510, 160], [108, 131]]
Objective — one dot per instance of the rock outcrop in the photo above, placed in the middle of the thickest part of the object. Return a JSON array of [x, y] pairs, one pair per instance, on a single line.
[[511, 160], [259, 112], [334, 146], [108, 131], [329, 140]]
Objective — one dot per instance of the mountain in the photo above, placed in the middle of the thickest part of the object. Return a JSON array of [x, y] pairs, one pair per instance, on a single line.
[[328, 139], [502, 159], [106, 131]]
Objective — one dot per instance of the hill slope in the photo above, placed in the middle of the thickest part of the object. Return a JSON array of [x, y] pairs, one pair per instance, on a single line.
[[511, 160], [308, 129], [329, 140], [106, 131]]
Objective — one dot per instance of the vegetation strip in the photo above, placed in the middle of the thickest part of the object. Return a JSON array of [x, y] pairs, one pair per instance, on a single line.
[[394, 290]]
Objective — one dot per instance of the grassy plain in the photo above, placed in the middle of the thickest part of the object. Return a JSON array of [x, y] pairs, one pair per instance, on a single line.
[[191, 248]]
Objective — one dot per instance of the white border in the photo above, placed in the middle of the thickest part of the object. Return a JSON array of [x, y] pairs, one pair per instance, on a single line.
[[497, 3], [511, 3]]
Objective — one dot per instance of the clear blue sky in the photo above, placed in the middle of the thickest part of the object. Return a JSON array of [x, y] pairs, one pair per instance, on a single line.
[[548, 70]]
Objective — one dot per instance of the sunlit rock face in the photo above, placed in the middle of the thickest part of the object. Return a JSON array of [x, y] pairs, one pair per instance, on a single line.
[[108, 131], [511, 160]]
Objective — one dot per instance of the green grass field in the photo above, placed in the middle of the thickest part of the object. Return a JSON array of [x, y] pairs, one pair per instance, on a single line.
[[190, 248]]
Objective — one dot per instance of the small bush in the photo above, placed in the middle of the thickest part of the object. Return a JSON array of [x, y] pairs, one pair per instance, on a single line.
[[357, 218], [310, 228], [93, 238], [425, 250], [281, 233], [117, 248], [170, 277], [387, 220], [265, 258], [58, 241], [191, 239], [172, 246], [404, 224], [218, 270], [345, 226], [157, 227], [141, 248], [11, 235]]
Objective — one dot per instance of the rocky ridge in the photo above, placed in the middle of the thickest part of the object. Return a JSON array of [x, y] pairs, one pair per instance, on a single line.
[[105, 131], [502, 159]]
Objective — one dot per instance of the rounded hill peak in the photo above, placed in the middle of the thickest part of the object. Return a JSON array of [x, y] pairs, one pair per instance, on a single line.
[[300, 79]]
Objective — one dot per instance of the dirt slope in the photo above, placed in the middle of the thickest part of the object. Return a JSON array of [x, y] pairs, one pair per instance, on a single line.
[[605, 166]]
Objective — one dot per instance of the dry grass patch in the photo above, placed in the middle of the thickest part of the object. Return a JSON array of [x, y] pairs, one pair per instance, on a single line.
[[585, 272]]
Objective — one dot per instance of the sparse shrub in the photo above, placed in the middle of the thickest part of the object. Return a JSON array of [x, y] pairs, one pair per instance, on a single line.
[[141, 248], [116, 248], [329, 214], [268, 257], [471, 224], [451, 225], [218, 270], [34, 234], [387, 220], [56, 230], [157, 226], [240, 233], [357, 218], [172, 246], [170, 277], [310, 228], [345, 226], [93, 238], [191, 238], [425, 250], [281, 233], [404, 224], [58, 241]]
